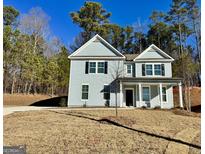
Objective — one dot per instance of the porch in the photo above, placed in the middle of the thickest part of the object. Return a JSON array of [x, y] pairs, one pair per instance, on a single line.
[[149, 92]]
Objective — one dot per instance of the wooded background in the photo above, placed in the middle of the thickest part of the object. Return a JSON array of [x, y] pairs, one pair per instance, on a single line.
[[36, 62]]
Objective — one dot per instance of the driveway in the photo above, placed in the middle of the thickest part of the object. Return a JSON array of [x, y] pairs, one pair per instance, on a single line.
[[11, 109]]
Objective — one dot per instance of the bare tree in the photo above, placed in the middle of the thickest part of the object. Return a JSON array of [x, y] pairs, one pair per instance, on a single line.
[[117, 70]]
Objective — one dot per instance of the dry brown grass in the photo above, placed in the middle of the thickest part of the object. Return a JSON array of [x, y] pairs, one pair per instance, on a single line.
[[20, 99], [81, 132]]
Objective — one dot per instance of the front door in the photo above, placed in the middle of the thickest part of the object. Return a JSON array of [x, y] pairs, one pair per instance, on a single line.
[[129, 97]]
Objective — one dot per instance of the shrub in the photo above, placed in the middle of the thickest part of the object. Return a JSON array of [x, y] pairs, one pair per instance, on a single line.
[[143, 107], [84, 105], [107, 103], [157, 107], [63, 102]]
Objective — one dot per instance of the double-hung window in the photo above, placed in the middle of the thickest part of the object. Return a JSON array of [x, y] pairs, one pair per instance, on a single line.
[[85, 90], [129, 69], [145, 93], [157, 69], [106, 92], [148, 68], [164, 94], [101, 67], [92, 67]]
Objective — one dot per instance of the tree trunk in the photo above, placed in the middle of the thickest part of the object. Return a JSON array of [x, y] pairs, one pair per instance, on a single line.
[[29, 88], [52, 90], [13, 82], [25, 87]]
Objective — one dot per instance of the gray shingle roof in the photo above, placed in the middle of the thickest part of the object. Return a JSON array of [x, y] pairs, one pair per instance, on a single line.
[[130, 57]]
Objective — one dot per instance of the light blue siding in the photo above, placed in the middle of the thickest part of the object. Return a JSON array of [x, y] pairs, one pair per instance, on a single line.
[[96, 49], [95, 81]]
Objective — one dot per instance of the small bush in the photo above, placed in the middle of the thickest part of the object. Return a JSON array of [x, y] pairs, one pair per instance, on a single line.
[[107, 103], [143, 107], [157, 107], [84, 105], [63, 102]]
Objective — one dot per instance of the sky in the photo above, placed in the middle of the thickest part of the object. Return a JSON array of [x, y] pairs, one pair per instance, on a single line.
[[124, 13]]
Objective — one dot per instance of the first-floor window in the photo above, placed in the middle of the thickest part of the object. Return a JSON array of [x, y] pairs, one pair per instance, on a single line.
[[164, 94], [85, 89], [107, 92], [145, 93]]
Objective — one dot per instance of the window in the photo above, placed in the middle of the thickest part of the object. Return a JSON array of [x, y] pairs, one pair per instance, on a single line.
[[149, 69], [101, 67], [145, 93], [164, 94], [92, 68], [129, 69], [107, 92], [85, 89], [157, 69]]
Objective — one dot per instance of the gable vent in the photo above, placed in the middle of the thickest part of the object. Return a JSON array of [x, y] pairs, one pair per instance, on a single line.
[[96, 40]]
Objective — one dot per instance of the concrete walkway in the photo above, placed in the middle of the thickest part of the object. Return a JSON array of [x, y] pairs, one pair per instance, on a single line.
[[11, 109]]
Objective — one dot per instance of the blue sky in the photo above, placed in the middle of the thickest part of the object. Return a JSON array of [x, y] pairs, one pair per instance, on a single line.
[[123, 13]]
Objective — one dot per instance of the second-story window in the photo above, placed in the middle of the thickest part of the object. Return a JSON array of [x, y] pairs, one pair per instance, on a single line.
[[148, 68], [101, 67], [129, 69], [92, 67], [157, 69]]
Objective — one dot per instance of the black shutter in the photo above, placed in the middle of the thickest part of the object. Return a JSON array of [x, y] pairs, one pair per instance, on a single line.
[[163, 70], [143, 69], [105, 67], [133, 70], [86, 67]]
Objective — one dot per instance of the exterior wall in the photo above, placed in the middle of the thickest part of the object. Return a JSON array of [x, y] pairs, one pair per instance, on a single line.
[[167, 67], [96, 49], [95, 81], [154, 96], [152, 54]]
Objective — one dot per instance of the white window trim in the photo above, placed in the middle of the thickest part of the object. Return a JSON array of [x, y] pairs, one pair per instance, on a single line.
[[162, 94], [153, 72], [149, 93], [165, 94], [82, 91], [104, 92], [96, 66], [131, 69]]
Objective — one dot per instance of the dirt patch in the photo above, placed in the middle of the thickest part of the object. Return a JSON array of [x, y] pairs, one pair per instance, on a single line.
[[22, 100], [186, 113], [80, 132]]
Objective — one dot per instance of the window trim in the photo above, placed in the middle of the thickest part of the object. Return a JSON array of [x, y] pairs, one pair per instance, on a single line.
[[153, 70], [106, 92], [164, 94], [101, 67], [96, 66], [86, 84], [146, 86], [90, 67], [131, 69]]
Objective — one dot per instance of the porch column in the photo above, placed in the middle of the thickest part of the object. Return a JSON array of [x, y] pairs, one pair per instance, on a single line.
[[121, 95], [140, 94], [160, 94], [136, 102], [180, 95]]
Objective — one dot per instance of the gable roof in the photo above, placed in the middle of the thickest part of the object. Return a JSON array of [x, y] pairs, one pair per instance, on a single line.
[[151, 47], [96, 38], [130, 57]]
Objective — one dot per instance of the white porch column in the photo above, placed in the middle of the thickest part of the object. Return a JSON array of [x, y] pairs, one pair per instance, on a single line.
[[180, 95], [136, 102], [140, 94], [160, 94], [121, 95]]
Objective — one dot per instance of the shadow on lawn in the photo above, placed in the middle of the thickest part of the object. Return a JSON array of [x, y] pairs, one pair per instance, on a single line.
[[111, 122], [196, 109], [52, 102]]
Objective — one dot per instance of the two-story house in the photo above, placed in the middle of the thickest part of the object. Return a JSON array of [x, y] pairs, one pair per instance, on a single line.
[[100, 75]]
